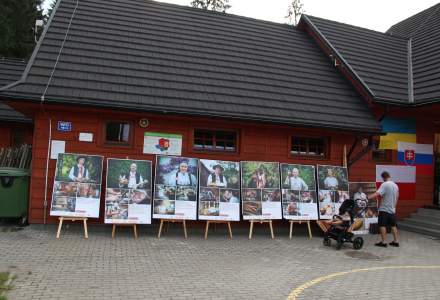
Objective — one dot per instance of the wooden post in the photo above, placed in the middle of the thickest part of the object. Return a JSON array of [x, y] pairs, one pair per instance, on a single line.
[[162, 221], [299, 222], [228, 223], [123, 224], [73, 219], [261, 222]]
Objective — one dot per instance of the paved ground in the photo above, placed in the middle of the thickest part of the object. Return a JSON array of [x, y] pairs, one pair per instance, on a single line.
[[172, 268]]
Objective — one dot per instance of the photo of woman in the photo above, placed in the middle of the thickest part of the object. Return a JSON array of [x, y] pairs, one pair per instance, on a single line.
[[176, 187]]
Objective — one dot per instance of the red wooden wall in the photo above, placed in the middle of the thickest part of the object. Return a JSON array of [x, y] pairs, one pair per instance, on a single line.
[[257, 141], [7, 129]]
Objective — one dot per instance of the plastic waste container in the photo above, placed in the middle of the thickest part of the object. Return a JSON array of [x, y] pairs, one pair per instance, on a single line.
[[14, 193]]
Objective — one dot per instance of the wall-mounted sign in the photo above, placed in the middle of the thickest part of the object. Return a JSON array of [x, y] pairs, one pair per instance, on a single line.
[[56, 148], [162, 143], [64, 126], [85, 137]]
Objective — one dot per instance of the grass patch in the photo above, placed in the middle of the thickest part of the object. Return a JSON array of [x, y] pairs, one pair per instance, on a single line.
[[4, 284]]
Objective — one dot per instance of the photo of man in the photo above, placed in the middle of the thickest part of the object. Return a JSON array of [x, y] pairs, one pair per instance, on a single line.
[[299, 192], [130, 182], [216, 178], [332, 189], [365, 209], [263, 179], [295, 182], [219, 185], [132, 179], [79, 172], [77, 185]]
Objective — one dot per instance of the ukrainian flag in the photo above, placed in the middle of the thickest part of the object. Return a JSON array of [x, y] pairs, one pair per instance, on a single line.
[[397, 130]]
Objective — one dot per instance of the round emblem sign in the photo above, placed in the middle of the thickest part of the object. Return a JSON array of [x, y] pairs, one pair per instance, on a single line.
[[143, 123]]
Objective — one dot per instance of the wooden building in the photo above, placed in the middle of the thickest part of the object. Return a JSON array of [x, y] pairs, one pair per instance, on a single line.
[[235, 88]]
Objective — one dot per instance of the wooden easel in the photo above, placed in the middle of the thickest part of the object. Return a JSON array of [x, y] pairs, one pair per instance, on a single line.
[[134, 229], [299, 222], [172, 221], [62, 219], [251, 228], [217, 222]]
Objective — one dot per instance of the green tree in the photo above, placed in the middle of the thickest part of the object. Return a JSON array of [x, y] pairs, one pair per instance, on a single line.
[[294, 12], [17, 26], [215, 5]]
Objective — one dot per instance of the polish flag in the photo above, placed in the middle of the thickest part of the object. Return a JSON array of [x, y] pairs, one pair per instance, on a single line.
[[403, 176]]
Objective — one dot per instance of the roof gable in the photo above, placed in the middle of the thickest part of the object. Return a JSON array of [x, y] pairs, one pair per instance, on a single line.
[[400, 66]]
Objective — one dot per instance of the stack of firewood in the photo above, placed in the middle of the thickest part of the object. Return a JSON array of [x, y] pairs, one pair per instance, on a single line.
[[16, 157]]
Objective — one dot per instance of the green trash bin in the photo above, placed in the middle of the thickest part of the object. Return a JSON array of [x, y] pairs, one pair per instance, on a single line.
[[14, 193]]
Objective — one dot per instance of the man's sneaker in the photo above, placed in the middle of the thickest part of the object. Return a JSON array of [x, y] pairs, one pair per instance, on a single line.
[[381, 244], [394, 244]]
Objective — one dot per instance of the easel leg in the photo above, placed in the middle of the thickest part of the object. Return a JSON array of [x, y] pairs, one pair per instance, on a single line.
[[251, 229], [271, 230], [135, 231], [184, 229], [291, 230], [160, 229], [60, 224], [310, 230], [113, 231], [230, 230], [206, 229], [86, 234]]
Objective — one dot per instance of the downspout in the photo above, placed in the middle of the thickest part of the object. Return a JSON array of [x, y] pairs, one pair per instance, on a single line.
[[410, 73], [47, 166]]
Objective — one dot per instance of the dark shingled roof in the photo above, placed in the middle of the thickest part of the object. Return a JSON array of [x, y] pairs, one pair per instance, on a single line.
[[152, 56], [400, 66], [10, 71], [377, 58], [424, 31]]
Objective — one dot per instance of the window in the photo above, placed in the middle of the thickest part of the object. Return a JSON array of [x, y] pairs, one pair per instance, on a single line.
[[118, 133], [309, 147], [18, 136], [381, 155], [211, 140]]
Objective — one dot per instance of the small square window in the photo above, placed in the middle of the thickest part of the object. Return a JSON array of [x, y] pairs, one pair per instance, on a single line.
[[211, 140], [118, 132], [309, 147]]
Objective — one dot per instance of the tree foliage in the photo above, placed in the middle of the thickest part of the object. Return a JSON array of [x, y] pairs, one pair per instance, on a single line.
[[17, 25], [294, 12], [215, 5]]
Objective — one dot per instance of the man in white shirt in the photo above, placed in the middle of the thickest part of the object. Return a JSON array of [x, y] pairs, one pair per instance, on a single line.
[[389, 193], [217, 179], [132, 179], [330, 182], [79, 172], [295, 182]]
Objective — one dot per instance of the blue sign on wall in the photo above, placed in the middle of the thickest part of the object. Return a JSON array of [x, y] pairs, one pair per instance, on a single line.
[[64, 126]]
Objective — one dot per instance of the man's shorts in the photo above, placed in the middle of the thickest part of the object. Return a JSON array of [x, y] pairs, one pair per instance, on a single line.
[[386, 219]]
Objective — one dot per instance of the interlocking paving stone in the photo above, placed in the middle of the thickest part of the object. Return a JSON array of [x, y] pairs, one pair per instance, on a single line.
[[217, 268]]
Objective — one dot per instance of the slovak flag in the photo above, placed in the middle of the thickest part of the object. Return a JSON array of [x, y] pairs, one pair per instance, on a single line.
[[403, 176], [419, 155]]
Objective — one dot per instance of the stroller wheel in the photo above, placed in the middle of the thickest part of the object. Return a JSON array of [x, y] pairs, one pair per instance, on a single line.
[[358, 243], [327, 242], [339, 243]]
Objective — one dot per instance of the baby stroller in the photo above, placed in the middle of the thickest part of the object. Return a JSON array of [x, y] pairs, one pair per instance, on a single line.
[[341, 229]]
